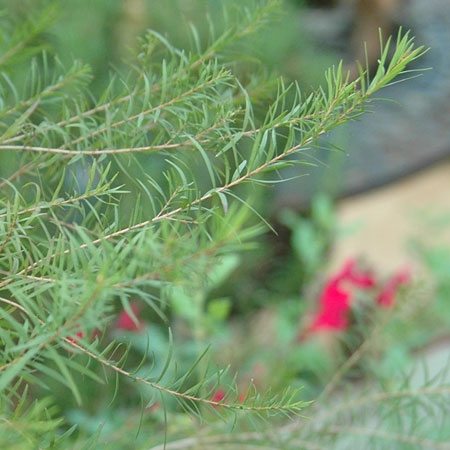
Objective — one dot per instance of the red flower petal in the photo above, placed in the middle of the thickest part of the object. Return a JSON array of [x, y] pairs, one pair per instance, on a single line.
[[218, 396], [336, 296], [335, 305], [128, 323], [386, 297], [357, 277], [76, 338]]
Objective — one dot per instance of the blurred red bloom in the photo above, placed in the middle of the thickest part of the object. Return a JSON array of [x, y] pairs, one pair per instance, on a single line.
[[128, 323], [357, 277], [387, 295], [335, 301], [96, 334], [336, 296], [333, 313], [218, 396], [75, 338]]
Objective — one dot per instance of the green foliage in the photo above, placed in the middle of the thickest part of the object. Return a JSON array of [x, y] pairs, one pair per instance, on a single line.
[[311, 237], [144, 194]]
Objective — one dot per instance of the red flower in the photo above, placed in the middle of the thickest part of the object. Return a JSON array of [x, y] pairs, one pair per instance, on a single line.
[[335, 305], [76, 338], [387, 295], [218, 396], [128, 323], [358, 278], [336, 296]]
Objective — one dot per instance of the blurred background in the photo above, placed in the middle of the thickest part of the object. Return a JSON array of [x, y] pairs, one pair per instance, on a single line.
[[384, 175]]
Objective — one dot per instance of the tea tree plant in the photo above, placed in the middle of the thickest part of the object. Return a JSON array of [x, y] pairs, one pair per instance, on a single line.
[[136, 202]]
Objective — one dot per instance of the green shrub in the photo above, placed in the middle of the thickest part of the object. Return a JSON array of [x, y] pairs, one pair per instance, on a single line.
[[121, 211]]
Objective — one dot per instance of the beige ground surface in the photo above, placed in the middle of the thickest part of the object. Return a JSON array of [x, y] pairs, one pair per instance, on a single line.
[[380, 225]]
